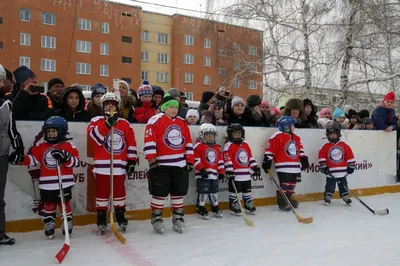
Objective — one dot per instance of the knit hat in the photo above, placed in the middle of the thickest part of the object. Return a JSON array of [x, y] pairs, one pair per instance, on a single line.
[[53, 82], [193, 112], [390, 96], [351, 113], [157, 90], [168, 101], [367, 121], [236, 100], [145, 89], [206, 96], [264, 103], [363, 114], [98, 89], [274, 110], [338, 113], [121, 81], [182, 95], [23, 73], [174, 92], [253, 101], [324, 122], [324, 111]]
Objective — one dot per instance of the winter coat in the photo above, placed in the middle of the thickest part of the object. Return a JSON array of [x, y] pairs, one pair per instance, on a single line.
[[311, 120], [127, 103], [384, 117], [94, 110], [209, 117], [31, 107], [143, 113], [9, 135], [260, 119], [246, 119], [203, 107], [80, 114], [297, 104], [56, 105]]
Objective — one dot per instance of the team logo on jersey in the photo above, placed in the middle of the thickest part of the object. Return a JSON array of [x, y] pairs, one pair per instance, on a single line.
[[336, 154], [173, 137], [291, 149], [211, 156], [242, 157], [118, 142], [49, 161]]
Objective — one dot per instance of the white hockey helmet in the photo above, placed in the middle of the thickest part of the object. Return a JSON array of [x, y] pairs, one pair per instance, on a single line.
[[207, 128], [109, 96]]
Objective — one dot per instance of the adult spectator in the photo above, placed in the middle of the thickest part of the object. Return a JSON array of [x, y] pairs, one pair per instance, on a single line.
[[29, 104], [174, 92], [311, 113], [158, 95], [123, 88], [94, 106], [253, 103], [215, 114], [294, 108], [222, 94], [73, 105], [240, 114], [352, 119], [384, 115], [207, 98], [55, 87], [183, 100], [8, 82]]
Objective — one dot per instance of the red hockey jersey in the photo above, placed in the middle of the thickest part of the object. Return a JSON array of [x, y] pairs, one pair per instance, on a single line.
[[209, 158], [337, 157], [40, 156], [124, 145], [238, 158], [168, 141], [285, 149]]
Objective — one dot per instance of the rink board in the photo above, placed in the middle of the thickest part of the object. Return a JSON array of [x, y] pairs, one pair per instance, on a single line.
[[375, 153]]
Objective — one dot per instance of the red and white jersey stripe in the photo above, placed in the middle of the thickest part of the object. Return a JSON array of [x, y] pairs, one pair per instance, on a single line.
[[208, 158], [336, 156], [239, 159]]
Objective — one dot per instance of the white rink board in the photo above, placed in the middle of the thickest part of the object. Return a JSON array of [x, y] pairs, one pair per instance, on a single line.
[[375, 153]]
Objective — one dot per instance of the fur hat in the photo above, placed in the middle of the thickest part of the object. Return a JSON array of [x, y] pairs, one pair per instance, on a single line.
[[294, 103]]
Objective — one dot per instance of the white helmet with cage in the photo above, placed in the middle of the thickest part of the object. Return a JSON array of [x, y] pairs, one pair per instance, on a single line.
[[109, 96], [207, 128]]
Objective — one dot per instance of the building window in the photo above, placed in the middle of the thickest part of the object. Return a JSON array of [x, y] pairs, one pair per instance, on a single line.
[[221, 52], [222, 71], [126, 14], [104, 49], [83, 68], [144, 36], [25, 61], [236, 65], [1, 20], [126, 39], [144, 75], [162, 38], [48, 42], [162, 58], [48, 65], [83, 46], [144, 56], [105, 28], [188, 59], [25, 39], [162, 77], [189, 40], [103, 70], [25, 14], [126, 60], [252, 84], [207, 61], [85, 87], [48, 19], [84, 24], [207, 80], [236, 83], [188, 78], [207, 43], [128, 80], [1, 46], [252, 50], [189, 96], [236, 47]]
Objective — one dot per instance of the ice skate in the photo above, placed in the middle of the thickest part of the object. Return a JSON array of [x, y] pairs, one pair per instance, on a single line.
[[234, 209], [122, 221], [217, 211], [347, 200], [202, 212], [7, 241], [102, 221], [177, 220], [49, 229], [157, 222], [249, 207], [283, 204], [70, 226], [294, 202]]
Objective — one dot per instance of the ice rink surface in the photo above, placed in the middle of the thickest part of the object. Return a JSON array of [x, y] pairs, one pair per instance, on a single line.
[[339, 235]]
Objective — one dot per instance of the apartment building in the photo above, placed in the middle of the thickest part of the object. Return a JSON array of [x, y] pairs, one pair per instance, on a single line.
[[96, 41]]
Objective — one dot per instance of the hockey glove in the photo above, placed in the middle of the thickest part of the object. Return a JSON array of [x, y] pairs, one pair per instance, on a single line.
[[61, 156], [256, 171], [189, 167], [221, 176], [153, 164], [111, 121], [267, 163], [230, 176], [304, 163], [16, 157], [324, 169], [203, 173], [130, 168], [350, 169]]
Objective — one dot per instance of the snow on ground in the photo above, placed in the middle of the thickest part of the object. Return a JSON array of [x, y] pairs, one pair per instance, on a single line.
[[339, 235]]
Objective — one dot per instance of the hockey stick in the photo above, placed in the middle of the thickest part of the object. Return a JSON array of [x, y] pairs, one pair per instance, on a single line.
[[112, 223], [64, 250], [246, 220], [307, 220], [378, 212]]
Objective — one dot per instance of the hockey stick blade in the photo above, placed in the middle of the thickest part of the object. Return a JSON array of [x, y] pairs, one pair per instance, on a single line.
[[246, 220], [62, 253], [118, 234], [382, 212], [302, 220]]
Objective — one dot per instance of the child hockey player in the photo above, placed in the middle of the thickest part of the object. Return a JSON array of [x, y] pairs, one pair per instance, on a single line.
[[285, 148], [124, 155], [336, 158], [238, 163], [169, 151], [209, 167], [55, 147]]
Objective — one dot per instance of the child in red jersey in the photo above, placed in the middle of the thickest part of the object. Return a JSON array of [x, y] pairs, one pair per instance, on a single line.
[[209, 168], [169, 150], [55, 147], [286, 149], [336, 160]]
